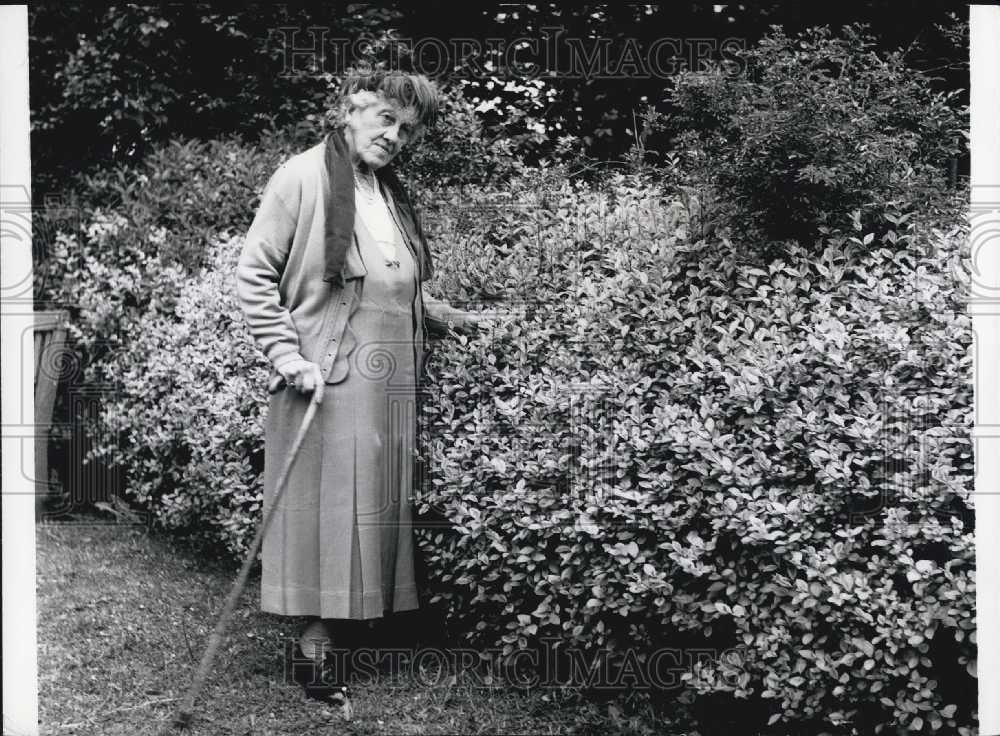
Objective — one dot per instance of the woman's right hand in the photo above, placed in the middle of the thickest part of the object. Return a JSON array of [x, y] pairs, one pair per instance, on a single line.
[[302, 375]]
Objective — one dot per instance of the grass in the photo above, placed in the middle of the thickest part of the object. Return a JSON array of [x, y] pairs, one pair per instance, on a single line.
[[123, 618]]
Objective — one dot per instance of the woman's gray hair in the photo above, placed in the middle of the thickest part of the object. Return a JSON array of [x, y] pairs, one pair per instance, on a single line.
[[363, 88]]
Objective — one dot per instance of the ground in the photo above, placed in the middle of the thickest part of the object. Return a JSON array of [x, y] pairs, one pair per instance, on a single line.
[[123, 618]]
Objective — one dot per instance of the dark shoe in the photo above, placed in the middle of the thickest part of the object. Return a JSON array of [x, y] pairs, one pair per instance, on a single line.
[[325, 682]]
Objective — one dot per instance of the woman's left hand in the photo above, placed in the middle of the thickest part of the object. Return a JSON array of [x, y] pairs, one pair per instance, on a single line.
[[474, 322], [443, 319]]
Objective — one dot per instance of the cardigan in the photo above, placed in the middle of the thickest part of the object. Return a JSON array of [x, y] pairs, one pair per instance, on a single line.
[[291, 312]]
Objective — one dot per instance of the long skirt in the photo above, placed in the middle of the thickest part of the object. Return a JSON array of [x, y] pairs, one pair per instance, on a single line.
[[341, 543]]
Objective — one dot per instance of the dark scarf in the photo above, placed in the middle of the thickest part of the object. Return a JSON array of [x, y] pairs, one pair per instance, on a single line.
[[339, 199]]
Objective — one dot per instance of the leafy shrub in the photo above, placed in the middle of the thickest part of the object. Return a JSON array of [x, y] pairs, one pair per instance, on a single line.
[[190, 189], [138, 237], [112, 84], [188, 419], [456, 151], [672, 447], [797, 133]]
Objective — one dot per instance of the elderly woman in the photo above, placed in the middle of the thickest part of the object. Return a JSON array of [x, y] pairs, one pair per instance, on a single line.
[[330, 282]]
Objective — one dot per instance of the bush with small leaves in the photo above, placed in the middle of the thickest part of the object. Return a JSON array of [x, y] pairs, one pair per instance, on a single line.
[[187, 421], [796, 133], [677, 449]]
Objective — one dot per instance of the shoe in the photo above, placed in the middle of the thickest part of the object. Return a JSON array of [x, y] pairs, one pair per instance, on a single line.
[[319, 681]]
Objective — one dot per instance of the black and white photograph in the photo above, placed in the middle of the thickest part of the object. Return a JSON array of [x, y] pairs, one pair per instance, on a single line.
[[442, 368]]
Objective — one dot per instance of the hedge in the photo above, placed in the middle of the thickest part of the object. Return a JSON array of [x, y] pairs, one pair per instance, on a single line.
[[674, 448]]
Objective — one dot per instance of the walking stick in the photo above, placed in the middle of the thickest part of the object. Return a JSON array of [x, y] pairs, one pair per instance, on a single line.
[[184, 714]]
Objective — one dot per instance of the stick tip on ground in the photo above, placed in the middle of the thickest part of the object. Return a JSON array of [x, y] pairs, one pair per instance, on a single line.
[[181, 721]]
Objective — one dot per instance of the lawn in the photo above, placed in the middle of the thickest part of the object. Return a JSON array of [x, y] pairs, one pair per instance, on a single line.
[[124, 614]]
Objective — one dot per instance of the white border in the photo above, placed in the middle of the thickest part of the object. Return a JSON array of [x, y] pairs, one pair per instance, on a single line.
[[984, 49], [20, 661], [20, 690]]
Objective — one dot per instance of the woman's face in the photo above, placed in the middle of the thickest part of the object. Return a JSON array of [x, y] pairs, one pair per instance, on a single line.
[[377, 129]]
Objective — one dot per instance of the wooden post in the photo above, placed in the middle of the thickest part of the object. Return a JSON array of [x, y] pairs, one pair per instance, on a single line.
[[50, 337]]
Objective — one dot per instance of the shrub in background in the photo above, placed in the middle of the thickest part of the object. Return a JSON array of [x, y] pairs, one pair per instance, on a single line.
[[456, 152], [796, 133], [139, 237], [183, 419], [187, 423], [111, 84]]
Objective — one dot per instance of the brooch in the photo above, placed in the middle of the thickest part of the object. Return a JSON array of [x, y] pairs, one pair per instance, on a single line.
[[392, 263]]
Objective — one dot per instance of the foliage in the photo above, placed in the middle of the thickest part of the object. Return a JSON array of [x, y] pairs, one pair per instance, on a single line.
[[188, 418], [671, 447], [457, 151], [797, 133], [109, 84], [137, 235]]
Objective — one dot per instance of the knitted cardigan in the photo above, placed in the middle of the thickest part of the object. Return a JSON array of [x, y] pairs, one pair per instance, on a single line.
[[295, 303]]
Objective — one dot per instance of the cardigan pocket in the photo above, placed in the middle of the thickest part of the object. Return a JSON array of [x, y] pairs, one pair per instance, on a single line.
[[333, 353]]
